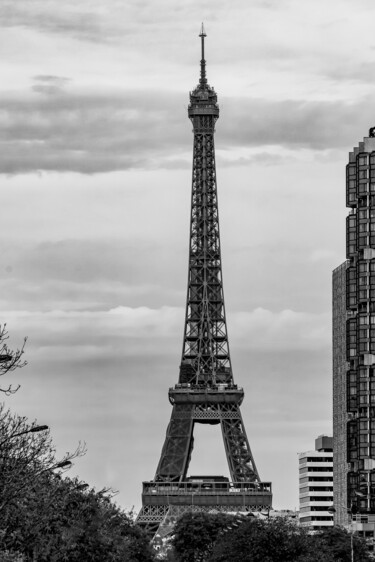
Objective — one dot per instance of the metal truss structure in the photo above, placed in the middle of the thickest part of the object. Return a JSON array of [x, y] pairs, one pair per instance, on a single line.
[[162, 519], [205, 392]]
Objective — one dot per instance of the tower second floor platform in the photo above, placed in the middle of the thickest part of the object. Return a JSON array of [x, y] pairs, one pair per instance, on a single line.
[[206, 394]]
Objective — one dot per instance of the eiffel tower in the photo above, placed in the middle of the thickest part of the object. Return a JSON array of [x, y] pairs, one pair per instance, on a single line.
[[205, 392]]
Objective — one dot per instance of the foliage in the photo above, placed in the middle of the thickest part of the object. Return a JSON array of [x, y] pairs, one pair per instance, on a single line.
[[9, 359], [47, 517], [7, 556], [256, 540], [196, 533], [73, 524], [62, 520], [220, 538], [334, 544], [26, 455]]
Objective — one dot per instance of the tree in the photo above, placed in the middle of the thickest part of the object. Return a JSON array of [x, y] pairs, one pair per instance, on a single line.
[[256, 540], [48, 517], [26, 455], [281, 540], [195, 534], [335, 544], [7, 556], [64, 520], [222, 538], [27, 459], [9, 359]]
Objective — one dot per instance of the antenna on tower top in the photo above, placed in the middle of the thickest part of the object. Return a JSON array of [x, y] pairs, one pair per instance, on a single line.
[[203, 79]]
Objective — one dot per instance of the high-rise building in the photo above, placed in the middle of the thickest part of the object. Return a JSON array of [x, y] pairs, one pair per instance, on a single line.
[[354, 348], [340, 415], [316, 485], [205, 392]]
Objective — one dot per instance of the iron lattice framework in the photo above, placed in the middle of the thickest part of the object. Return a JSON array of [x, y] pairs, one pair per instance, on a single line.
[[205, 392]]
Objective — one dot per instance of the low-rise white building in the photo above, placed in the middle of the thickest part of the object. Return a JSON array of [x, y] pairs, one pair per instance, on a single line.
[[316, 485]]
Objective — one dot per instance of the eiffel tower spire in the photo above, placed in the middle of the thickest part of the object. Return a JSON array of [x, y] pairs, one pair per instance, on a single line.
[[205, 392], [203, 80]]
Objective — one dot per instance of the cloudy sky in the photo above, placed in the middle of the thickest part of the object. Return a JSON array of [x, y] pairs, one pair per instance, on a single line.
[[95, 168]]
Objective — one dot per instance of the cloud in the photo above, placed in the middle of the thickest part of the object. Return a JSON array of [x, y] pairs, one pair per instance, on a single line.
[[258, 158], [49, 85], [285, 330], [89, 133], [69, 19], [322, 255], [88, 275], [293, 124], [145, 330]]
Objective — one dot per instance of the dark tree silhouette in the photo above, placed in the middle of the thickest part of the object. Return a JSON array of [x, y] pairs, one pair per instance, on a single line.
[[10, 359], [222, 538]]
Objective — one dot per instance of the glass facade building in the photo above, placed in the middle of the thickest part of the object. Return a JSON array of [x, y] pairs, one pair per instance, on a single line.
[[354, 347], [340, 416]]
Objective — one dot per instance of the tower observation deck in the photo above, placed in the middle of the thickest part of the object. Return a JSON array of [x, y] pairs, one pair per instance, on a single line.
[[205, 392]]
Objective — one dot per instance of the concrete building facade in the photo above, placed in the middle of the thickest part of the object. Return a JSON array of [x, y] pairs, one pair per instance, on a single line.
[[316, 485]]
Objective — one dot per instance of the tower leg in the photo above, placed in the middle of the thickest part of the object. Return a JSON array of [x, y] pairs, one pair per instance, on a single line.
[[178, 445], [240, 459]]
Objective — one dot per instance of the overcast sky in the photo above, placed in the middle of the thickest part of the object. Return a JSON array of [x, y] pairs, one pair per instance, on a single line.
[[95, 167]]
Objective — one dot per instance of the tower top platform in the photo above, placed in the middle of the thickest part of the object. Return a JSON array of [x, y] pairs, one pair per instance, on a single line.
[[203, 99]]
